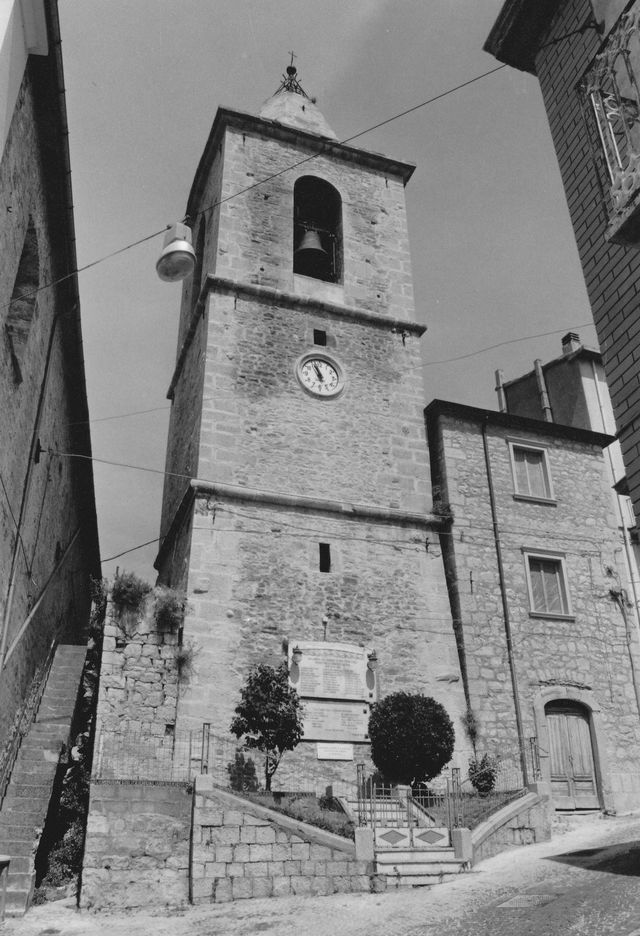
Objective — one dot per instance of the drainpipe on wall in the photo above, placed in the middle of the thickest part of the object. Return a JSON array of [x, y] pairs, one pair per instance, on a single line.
[[505, 608]]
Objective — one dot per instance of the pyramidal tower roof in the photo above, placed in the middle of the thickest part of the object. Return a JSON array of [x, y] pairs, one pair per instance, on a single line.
[[292, 106]]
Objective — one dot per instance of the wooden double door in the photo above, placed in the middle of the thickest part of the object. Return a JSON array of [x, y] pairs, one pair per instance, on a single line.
[[573, 776]]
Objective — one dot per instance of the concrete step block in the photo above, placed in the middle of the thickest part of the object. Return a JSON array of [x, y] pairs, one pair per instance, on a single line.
[[418, 869], [424, 855], [20, 880], [418, 880], [16, 903]]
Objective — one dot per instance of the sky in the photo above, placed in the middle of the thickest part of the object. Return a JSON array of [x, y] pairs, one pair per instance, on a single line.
[[493, 250]]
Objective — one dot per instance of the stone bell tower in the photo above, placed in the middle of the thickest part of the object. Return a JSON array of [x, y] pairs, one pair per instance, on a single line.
[[297, 412]]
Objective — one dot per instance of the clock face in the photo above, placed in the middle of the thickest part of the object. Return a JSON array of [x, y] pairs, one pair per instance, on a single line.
[[319, 376]]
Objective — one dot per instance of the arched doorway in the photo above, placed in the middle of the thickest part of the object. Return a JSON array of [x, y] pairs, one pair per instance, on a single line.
[[571, 760]]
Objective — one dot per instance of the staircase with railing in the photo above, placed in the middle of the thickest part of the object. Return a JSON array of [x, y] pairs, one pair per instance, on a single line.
[[411, 834], [30, 765]]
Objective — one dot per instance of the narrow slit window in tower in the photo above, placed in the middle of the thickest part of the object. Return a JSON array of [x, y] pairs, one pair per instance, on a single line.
[[325, 557]]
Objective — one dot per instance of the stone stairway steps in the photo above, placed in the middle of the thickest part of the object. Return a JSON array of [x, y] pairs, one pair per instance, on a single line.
[[408, 861], [25, 806], [385, 813], [418, 867]]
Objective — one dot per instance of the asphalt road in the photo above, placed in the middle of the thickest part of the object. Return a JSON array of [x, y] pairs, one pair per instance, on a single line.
[[585, 882]]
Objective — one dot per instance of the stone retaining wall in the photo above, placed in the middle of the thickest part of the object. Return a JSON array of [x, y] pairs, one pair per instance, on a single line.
[[243, 850], [137, 846], [524, 822]]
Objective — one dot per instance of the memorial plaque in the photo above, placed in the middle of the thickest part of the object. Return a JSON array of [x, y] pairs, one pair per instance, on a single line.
[[341, 752], [330, 671], [335, 721]]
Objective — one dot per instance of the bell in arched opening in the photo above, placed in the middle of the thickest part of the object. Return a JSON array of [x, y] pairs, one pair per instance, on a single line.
[[317, 229], [311, 259]]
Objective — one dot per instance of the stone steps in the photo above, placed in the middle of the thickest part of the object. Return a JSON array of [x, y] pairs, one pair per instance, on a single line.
[[418, 867], [25, 806]]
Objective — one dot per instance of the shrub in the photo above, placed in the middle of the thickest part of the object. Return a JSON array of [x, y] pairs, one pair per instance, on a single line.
[[169, 608], [184, 656], [307, 809], [269, 715], [242, 774], [412, 737], [471, 727], [128, 594], [483, 773]]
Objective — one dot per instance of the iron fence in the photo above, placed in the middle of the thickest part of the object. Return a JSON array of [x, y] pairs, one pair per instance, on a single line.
[[450, 801], [131, 753], [488, 789]]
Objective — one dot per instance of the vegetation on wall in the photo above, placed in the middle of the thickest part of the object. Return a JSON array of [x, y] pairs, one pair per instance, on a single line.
[[184, 656], [129, 592], [471, 727], [412, 737], [269, 715], [169, 608]]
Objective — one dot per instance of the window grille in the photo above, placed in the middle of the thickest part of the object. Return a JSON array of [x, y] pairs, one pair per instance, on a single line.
[[610, 95]]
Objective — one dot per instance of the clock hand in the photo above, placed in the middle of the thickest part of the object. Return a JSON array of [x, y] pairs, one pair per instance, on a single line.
[[318, 372]]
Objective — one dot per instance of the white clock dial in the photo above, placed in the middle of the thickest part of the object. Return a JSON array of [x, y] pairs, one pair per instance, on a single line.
[[319, 376]]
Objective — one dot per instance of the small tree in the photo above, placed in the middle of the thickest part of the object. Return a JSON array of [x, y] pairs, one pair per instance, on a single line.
[[269, 715], [242, 774], [483, 773], [412, 737]]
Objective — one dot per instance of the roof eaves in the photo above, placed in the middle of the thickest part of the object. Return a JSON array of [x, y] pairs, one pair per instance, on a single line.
[[515, 36], [438, 408]]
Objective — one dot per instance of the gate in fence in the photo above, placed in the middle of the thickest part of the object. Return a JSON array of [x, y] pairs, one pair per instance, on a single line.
[[447, 804]]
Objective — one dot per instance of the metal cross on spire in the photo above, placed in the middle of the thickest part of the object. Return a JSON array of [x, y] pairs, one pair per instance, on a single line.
[[290, 80]]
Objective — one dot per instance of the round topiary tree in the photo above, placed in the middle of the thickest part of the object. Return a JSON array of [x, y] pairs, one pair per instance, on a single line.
[[412, 737]]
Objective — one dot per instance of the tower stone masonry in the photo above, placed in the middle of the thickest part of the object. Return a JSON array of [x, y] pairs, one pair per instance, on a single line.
[[297, 410]]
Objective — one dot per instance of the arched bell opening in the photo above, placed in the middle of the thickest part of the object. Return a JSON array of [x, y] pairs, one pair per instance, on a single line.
[[573, 769], [317, 230]]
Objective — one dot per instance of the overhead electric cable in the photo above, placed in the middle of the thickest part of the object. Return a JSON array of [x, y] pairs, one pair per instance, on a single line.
[[132, 549], [462, 357], [501, 344], [504, 531]]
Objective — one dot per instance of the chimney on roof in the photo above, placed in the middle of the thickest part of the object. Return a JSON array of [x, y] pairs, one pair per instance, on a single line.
[[571, 342]]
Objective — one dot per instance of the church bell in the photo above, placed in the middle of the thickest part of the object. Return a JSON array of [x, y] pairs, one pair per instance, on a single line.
[[311, 259]]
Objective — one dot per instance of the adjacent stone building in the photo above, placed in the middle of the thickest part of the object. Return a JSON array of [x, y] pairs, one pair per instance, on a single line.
[[586, 55], [572, 390], [539, 597], [48, 533]]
